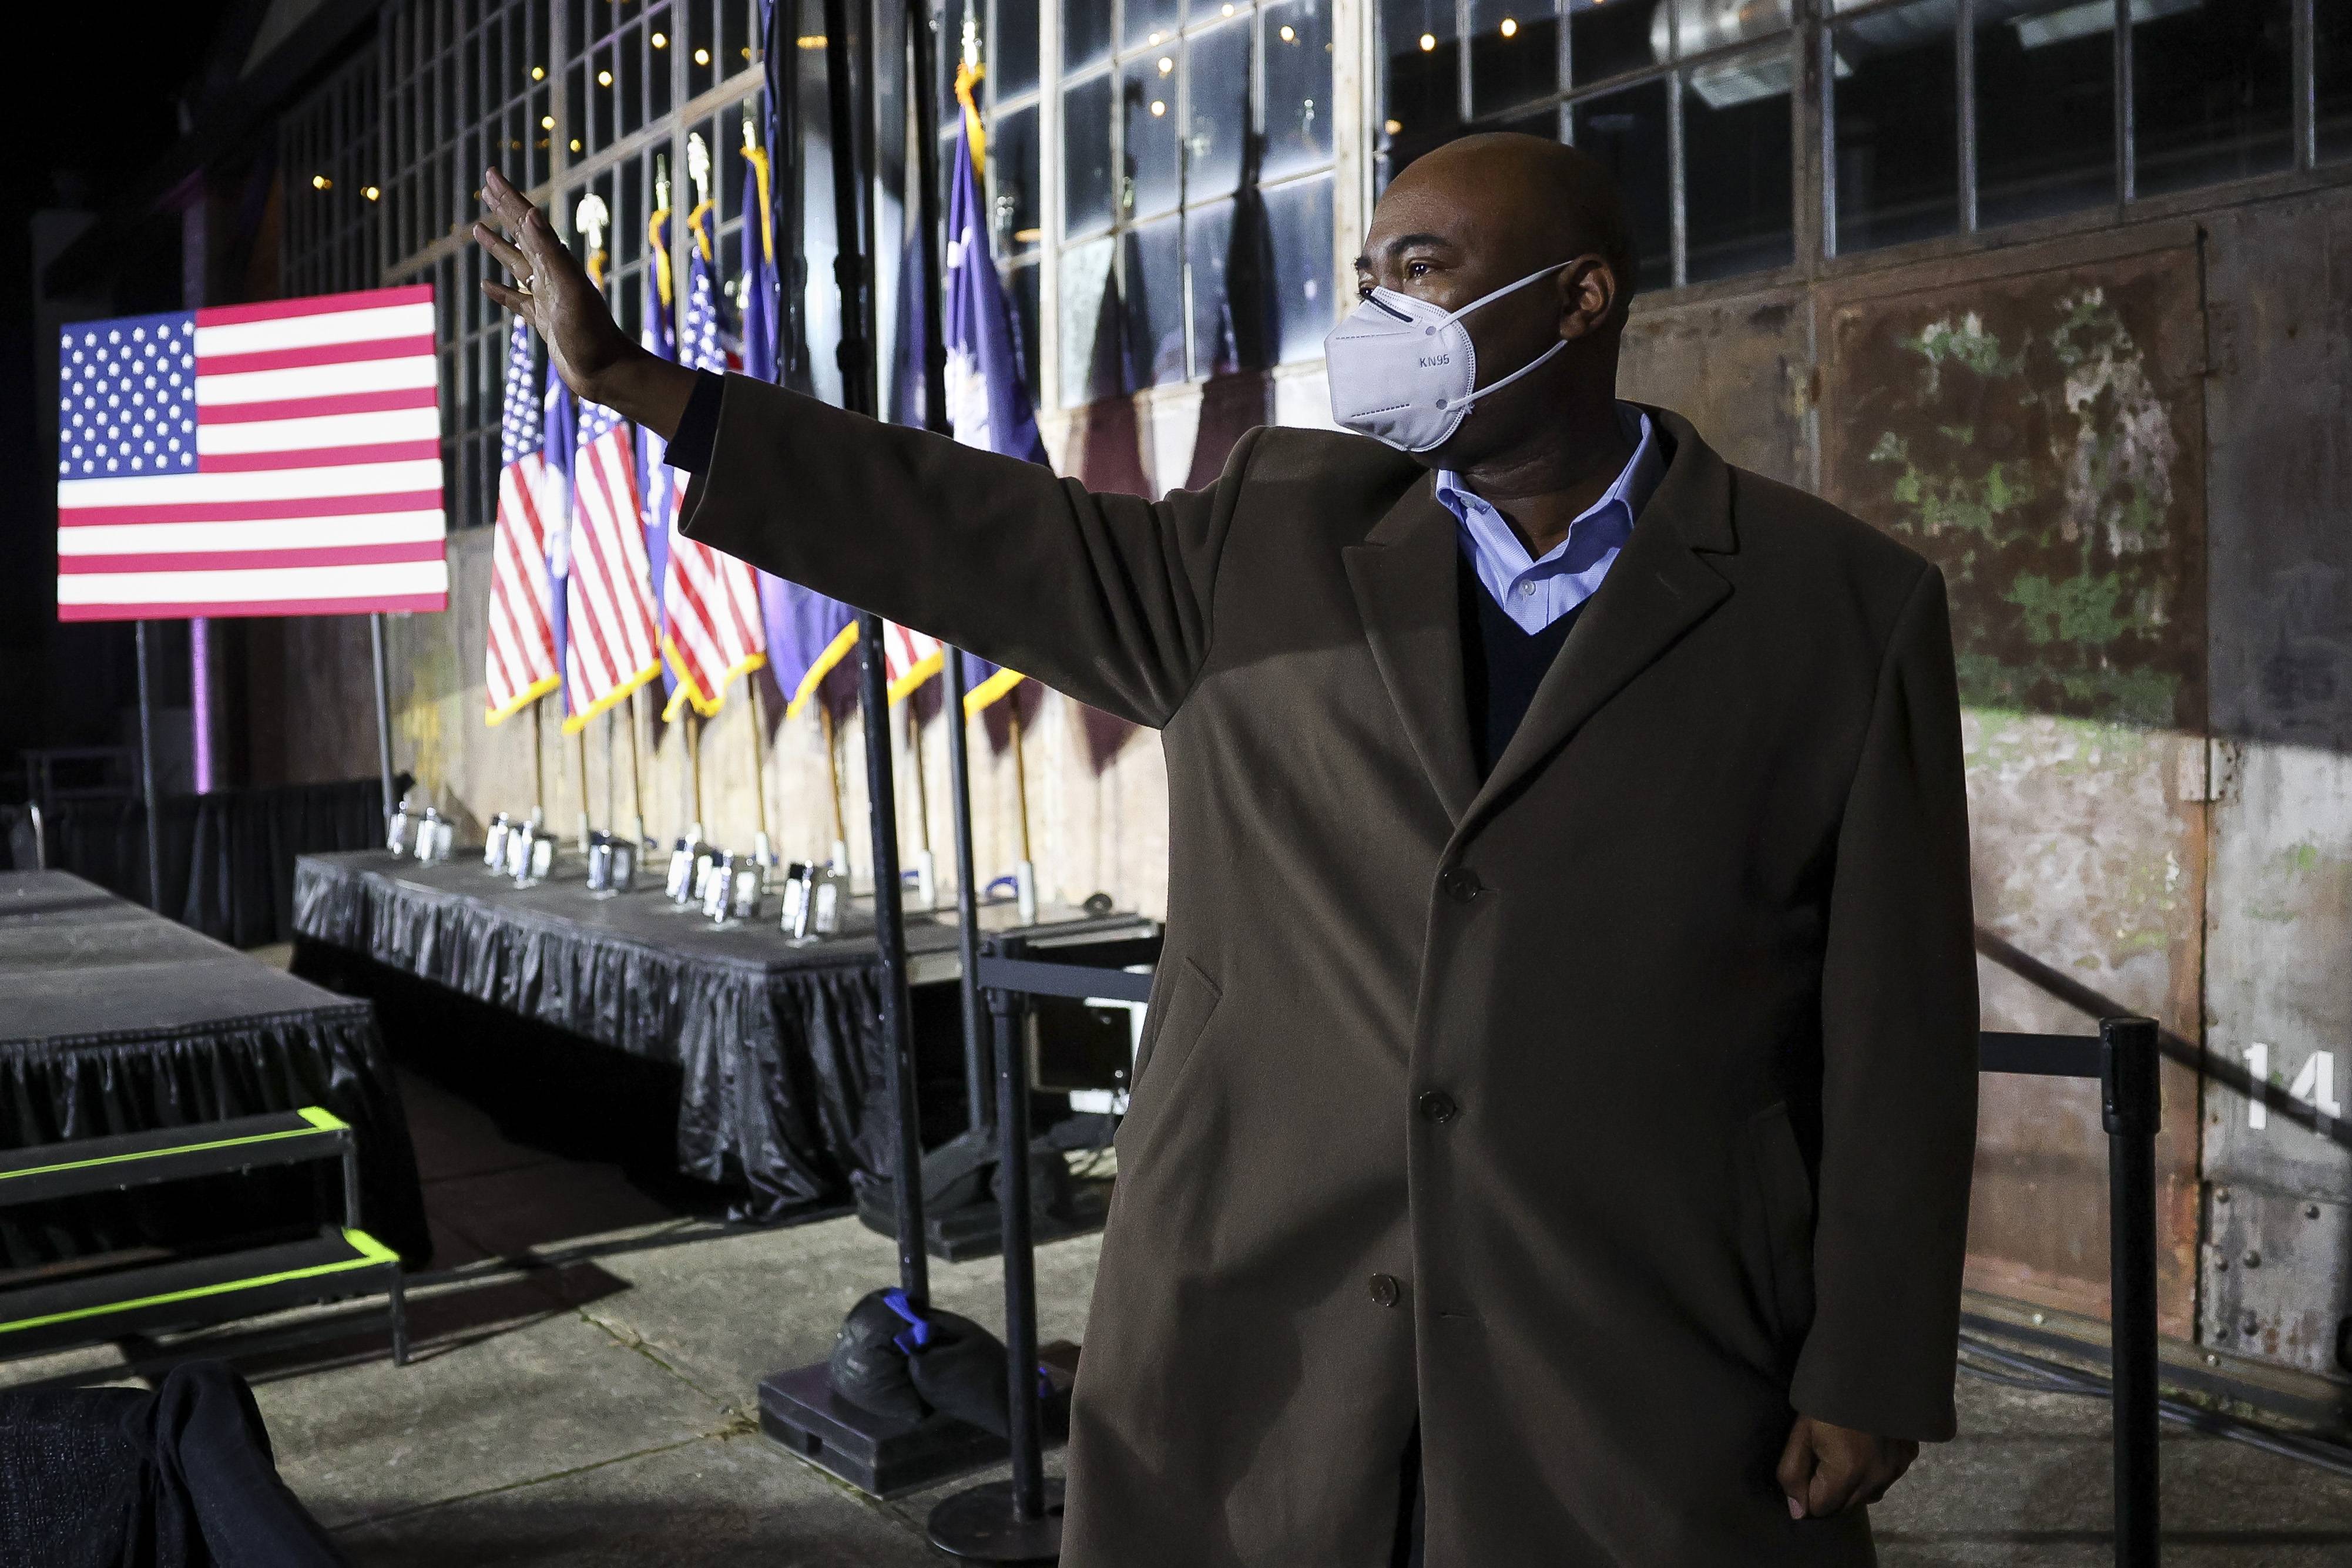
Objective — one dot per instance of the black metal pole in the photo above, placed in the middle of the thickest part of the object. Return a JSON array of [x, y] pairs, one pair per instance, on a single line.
[[384, 718], [922, 70], [852, 201], [147, 779], [1006, 1015], [2130, 1106]]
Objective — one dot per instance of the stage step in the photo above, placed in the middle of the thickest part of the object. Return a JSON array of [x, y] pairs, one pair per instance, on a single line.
[[337, 1262], [343, 1260], [171, 1153]]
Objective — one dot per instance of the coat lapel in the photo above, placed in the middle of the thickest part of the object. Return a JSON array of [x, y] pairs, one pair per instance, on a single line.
[[1403, 575], [1658, 590]]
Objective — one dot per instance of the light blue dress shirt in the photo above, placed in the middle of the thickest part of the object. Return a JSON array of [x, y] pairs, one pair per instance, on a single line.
[[1534, 593]]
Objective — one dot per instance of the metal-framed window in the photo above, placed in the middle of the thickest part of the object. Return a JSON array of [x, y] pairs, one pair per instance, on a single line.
[[1933, 117], [1194, 172], [330, 152]]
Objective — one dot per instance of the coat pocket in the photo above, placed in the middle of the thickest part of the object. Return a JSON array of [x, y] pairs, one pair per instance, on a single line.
[[1781, 1199], [1168, 1043]]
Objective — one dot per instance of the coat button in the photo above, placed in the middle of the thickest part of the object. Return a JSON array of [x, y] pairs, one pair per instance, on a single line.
[[1460, 883], [1438, 1106], [1385, 1290]]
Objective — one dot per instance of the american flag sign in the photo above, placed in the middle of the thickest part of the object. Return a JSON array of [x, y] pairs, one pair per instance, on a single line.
[[273, 459], [519, 665], [710, 601]]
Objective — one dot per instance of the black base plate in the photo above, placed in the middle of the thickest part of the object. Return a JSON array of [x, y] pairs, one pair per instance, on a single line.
[[877, 1456], [978, 1526]]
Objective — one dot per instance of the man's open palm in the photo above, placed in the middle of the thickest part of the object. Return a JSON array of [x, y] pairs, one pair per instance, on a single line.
[[1826, 1469]]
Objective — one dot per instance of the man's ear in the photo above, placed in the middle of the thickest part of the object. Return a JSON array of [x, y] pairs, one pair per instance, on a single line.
[[1588, 297]]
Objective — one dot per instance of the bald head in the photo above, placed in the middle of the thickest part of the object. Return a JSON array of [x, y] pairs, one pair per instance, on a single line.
[[1509, 204]]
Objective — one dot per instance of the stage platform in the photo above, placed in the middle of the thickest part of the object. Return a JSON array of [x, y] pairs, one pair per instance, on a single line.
[[114, 1021], [781, 1071]]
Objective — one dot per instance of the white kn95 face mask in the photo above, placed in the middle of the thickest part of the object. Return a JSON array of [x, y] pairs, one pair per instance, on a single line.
[[1403, 371]]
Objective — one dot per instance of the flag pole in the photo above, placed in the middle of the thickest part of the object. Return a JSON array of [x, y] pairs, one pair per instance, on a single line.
[[538, 761], [1024, 871], [580, 736], [840, 854], [637, 780], [694, 759], [926, 866], [759, 771]]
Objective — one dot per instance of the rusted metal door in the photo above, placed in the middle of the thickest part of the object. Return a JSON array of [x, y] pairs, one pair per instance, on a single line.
[[2033, 421]]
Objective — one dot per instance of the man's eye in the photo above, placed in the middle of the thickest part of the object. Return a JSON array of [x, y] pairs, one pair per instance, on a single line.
[[1416, 270]]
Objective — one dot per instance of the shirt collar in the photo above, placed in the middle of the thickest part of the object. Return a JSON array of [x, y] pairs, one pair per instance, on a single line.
[[1630, 489]]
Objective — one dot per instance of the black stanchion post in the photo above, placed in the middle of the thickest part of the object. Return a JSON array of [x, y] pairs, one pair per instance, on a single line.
[[1019, 1521], [148, 792], [2131, 1109]]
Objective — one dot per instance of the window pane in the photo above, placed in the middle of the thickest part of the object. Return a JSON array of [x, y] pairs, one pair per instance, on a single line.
[[1626, 129], [2046, 115], [1093, 363], [1606, 39], [1896, 127], [1086, 33], [1514, 54], [1147, 122], [658, 64], [1085, 156], [2211, 92], [1220, 78], [1012, 155], [1297, 87], [1149, 22], [1022, 286], [1423, 89], [1299, 222], [1154, 303], [702, 47], [1015, 68], [2333, 108], [1228, 334], [1737, 149]]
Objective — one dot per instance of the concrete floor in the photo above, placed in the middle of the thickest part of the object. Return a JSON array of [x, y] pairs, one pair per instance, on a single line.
[[584, 1381]]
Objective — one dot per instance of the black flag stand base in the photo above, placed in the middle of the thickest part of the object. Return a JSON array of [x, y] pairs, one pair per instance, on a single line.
[[980, 1526]]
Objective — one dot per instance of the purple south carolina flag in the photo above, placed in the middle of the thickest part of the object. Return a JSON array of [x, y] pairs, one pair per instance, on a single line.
[[808, 633]]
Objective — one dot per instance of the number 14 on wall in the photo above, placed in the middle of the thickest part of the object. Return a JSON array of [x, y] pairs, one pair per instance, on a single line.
[[2314, 1085]]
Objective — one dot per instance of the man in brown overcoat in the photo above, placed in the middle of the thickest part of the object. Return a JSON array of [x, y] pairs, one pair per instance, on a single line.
[[1551, 1139]]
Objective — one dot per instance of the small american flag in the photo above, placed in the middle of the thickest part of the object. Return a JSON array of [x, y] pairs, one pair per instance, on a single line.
[[609, 601], [710, 601], [274, 459], [519, 663]]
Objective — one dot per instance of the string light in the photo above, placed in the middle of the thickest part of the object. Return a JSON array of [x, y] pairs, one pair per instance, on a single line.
[[547, 122], [1510, 27], [1394, 126], [320, 182], [1289, 34], [538, 73], [371, 194], [660, 40], [702, 57], [1159, 107], [1166, 64], [604, 78], [1428, 42]]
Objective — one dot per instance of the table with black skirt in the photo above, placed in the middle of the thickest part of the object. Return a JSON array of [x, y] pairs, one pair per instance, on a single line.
[[774, 1048], [115, 1021]]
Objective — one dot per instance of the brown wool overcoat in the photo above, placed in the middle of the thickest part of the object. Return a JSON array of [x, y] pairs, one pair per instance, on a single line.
[[1596, 1116]]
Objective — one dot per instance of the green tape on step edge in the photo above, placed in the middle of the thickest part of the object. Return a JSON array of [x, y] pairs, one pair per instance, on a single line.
[[321, 1121], [373, 1254]]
